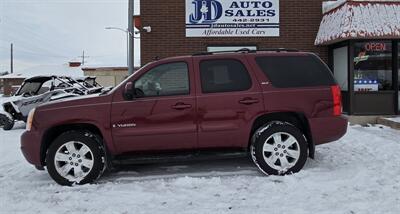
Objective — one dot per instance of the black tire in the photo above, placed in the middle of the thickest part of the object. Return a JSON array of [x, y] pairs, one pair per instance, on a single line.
[[90, 140], [8, 123], [265, 133]]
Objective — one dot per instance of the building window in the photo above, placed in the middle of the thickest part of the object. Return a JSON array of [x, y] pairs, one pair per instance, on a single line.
[[340, 69], [165, 80], [373, 66], [223, 76]]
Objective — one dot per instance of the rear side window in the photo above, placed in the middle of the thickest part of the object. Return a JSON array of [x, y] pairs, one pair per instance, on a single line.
[[223, 76], [295, 71]]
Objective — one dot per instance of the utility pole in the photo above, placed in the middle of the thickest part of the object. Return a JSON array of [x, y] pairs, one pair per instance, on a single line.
[[12, 60], [131, 30], [83, 57]]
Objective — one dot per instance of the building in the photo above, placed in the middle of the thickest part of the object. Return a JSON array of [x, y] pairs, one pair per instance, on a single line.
[[340, 32], [107, 75], [363, 41], [295, 25], [8, 85]]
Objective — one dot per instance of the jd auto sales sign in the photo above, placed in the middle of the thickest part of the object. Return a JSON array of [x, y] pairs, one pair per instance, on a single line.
[[232, 18]]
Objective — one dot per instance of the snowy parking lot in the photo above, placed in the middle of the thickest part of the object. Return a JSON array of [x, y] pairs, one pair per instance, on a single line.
[[358, 174]]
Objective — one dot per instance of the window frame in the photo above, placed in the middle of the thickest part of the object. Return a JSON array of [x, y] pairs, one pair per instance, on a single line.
[[161, 64], [222, 59]]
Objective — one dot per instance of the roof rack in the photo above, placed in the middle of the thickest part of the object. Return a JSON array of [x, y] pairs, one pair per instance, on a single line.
[[280, 49], [246, 50], [243, 50]]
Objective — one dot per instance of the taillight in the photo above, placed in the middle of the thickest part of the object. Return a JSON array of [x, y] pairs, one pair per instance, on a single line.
[[337, 100]]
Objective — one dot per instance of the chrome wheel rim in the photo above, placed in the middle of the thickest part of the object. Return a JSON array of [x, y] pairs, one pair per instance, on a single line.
[[74, 161], [281, 151]]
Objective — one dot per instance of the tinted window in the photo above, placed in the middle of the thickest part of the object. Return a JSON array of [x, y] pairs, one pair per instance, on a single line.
[[223, 76], [295, 71], [165, 80]]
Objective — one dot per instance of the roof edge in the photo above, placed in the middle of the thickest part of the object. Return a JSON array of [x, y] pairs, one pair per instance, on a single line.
[[328, 6]]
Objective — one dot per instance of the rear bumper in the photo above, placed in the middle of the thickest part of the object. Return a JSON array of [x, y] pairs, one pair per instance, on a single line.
[[30, 147], [327, 129]]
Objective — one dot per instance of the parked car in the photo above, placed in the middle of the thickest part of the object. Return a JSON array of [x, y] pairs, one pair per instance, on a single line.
[[42, 89], [275, 105]]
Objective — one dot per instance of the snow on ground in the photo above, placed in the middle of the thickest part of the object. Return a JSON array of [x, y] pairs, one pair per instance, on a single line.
[[394, 119], [358, 174]]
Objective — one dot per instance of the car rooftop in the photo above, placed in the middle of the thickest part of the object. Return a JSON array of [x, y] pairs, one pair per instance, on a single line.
[[269, 51], [246, 50]]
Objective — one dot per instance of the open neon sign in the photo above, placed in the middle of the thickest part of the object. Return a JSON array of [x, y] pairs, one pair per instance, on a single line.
[[375, 46]]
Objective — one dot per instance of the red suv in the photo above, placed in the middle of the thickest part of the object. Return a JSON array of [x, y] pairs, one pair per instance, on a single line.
[[275, 105]]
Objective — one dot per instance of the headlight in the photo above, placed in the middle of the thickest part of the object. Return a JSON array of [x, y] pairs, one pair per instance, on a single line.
[[30, 119]]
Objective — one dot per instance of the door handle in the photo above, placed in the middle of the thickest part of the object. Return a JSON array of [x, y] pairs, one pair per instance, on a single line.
[[181, 106], [248, 101]]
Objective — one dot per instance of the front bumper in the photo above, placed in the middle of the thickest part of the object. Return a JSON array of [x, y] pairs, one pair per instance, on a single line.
[[30, 147], [328, 129]]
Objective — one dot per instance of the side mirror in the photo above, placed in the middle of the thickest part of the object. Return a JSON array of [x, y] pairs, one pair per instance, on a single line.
[[128, 91]]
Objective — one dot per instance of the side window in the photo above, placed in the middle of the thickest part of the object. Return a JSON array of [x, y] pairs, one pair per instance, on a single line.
[[295, 71], [165, 80], [223, 76]]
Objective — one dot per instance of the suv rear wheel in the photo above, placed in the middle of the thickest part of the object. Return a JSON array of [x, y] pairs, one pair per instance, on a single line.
[[75, 157], [279, 148]]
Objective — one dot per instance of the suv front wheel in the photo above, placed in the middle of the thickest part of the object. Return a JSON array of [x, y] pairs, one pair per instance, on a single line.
[[75, 157], [279, 148]]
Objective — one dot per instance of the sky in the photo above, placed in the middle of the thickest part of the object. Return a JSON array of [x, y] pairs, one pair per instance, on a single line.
[[57, 31]]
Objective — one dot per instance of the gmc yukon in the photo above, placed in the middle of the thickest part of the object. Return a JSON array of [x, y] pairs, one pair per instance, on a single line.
[[273, 105]]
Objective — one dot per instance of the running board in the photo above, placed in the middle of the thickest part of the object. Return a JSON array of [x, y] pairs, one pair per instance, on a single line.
[[176, 157]]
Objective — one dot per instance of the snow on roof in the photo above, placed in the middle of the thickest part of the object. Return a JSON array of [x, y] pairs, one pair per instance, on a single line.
[[106, 68], [333, 4], [98, 65], [44, 70], [359, 20], [330, 5]]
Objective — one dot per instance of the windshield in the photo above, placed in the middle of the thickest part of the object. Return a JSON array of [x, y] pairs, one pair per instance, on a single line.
[[29, 87]]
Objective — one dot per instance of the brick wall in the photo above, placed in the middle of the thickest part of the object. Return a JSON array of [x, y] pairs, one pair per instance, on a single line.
[[10, 85], [299, 23]]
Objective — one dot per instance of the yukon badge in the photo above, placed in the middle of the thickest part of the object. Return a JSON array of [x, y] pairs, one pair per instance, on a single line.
[[124, 125]]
